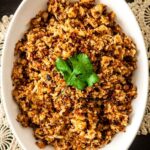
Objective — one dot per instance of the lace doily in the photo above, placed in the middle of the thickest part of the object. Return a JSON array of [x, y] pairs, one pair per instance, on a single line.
[[141, 9]]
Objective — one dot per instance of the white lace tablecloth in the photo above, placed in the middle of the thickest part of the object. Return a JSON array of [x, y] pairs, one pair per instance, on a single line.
[[141, 9]]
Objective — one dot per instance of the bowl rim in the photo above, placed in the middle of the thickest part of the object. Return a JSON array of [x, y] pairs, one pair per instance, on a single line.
[[21, 5], [2, 68]]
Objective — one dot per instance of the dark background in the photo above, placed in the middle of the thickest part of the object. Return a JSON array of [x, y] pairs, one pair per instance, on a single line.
[[8, 7]]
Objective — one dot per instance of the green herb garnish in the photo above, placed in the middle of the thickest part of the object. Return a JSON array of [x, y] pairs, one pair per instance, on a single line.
[[77, 71]]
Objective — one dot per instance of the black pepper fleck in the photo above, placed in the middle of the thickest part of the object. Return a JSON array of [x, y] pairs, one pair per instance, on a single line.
[[48, 77]]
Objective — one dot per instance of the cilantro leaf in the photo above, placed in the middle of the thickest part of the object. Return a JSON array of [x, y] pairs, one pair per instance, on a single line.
[[92, 79], [85, 61], [62, 65], [77, 71], [81, 64], [74, 81]]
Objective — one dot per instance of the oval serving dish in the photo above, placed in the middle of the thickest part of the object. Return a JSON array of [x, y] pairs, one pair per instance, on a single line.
[[26, 11]]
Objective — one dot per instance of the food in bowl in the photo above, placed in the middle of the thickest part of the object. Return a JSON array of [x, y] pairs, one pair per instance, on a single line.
[[71, 110]]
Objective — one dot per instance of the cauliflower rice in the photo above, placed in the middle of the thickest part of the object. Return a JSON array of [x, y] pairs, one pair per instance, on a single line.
[[61, 115]]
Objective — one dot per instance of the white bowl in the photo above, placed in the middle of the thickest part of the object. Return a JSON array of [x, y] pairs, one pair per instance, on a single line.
[[27, 10]]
